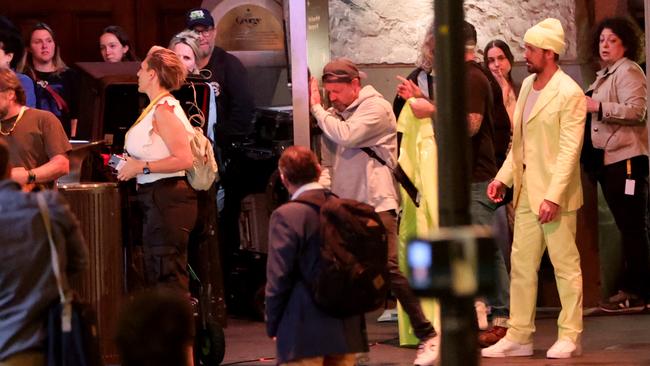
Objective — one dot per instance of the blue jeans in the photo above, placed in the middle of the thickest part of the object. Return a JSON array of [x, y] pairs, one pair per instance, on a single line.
[[483, 212]]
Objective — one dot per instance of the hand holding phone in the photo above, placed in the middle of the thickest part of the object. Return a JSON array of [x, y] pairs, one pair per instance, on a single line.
[[116, 162]]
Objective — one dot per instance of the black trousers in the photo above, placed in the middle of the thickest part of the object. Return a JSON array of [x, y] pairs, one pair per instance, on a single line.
[[169, 209], [630, 214], [399, 284]]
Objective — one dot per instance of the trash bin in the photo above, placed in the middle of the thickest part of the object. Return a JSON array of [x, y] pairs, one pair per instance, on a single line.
[[98, 208]]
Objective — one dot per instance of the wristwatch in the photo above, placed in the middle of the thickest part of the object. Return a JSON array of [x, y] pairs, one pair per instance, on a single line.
[[145, 169], [31, 177]]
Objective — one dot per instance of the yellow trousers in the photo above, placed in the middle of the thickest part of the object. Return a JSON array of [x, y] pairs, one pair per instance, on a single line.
[[530, 240]]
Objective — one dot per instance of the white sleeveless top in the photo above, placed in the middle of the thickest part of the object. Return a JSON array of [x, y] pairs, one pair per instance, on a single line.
[[144, 144]]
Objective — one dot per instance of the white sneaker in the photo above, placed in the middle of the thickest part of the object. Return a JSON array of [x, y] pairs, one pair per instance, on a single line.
[[508, 348], [564, 348], [428, 353], [389, 315]]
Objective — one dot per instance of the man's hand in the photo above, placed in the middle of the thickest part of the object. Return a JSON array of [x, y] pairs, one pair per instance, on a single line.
[[592, 105], [496, 190], [19, 175], [422, 108], [548, 211], [314, 92], [408, 89]]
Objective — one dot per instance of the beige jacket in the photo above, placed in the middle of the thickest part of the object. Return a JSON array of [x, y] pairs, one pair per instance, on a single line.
[[347, 170], [622, 131], [554, 132]]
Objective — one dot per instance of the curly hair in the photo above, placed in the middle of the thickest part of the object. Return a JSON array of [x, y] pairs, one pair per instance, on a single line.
[[627, 31]]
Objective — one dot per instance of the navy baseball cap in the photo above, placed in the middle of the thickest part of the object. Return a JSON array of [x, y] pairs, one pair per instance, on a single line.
[[199, 16]]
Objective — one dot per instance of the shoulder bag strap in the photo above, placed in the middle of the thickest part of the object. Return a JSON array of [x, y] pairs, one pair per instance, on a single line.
[[58, 99], [66, 316], [400, 176]]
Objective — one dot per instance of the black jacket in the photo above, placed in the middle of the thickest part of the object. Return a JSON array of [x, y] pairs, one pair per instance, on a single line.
[[235, 104]]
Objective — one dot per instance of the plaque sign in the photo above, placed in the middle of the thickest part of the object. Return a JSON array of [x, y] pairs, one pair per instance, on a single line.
[[250, 28]]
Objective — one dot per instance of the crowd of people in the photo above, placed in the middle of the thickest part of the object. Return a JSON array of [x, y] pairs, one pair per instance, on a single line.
[[527, 142]]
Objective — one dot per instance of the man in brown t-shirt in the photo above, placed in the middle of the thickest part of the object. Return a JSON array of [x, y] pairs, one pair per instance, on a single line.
[[38, 145]]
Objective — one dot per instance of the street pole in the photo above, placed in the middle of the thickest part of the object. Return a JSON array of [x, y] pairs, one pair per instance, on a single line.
[[459, 338]]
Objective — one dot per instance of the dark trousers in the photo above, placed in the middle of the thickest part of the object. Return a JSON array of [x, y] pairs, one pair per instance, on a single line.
[[399, 285], [630, 213], [169, 209]]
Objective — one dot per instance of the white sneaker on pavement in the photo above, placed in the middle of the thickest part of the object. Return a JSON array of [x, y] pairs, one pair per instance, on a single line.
[[564, 348], [428, 353], [507, 348]]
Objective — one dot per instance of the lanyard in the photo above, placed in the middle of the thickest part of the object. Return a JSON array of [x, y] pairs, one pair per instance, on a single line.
[[629, 169]]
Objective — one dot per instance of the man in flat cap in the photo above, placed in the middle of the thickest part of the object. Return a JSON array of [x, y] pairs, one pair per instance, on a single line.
[[360, 118], [543, 167]]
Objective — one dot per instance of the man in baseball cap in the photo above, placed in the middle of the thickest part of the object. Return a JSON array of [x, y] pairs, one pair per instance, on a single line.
[[549, 122], [199, 16], [235, 108]]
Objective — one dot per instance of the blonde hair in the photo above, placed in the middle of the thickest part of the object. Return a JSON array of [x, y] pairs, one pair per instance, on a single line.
[[188, 38], [169, 68], [26, 65]]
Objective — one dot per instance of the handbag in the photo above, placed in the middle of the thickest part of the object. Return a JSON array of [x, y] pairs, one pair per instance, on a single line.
[[71, 324]]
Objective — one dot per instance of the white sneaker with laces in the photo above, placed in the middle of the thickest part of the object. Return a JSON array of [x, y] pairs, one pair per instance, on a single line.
[[564, 348], [428, 353], [507, 348]]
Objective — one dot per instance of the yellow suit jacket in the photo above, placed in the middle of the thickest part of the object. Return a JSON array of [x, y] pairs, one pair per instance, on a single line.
[[554, 133]]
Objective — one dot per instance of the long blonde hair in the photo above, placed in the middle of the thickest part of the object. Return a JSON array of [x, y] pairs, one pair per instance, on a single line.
[[26, 65]]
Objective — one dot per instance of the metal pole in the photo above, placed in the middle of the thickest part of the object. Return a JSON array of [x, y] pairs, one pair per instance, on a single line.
[[459, 338], [451, 125], [299, 85]]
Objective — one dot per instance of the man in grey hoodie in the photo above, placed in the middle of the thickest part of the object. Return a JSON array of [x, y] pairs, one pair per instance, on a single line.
[[360, 117]]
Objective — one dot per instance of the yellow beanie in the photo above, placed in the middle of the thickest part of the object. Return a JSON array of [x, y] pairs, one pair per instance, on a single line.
[[547, 34]]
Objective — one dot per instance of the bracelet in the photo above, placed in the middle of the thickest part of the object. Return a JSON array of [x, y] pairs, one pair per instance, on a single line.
[[31, 177]]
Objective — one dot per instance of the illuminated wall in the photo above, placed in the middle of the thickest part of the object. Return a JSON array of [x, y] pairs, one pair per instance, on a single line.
[[389, 31]]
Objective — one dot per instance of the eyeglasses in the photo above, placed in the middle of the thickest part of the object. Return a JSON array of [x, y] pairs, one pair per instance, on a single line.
[[205, 32]]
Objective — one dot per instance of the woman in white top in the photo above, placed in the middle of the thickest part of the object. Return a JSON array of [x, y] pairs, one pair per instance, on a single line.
[[158, 146]]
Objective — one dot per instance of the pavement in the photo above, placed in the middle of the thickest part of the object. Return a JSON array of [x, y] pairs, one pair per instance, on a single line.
[[622, 340]]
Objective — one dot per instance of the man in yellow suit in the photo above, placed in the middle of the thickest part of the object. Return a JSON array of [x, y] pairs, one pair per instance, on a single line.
[[543, 167]]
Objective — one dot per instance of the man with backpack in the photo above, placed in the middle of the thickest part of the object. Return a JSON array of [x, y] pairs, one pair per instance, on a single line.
[[305, 334], [359, 149]]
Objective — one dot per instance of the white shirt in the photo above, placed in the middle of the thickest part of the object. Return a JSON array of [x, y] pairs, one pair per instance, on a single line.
[[144, 144]]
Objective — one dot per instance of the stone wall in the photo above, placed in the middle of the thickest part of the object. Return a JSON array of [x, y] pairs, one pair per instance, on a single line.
[[390, 31]]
